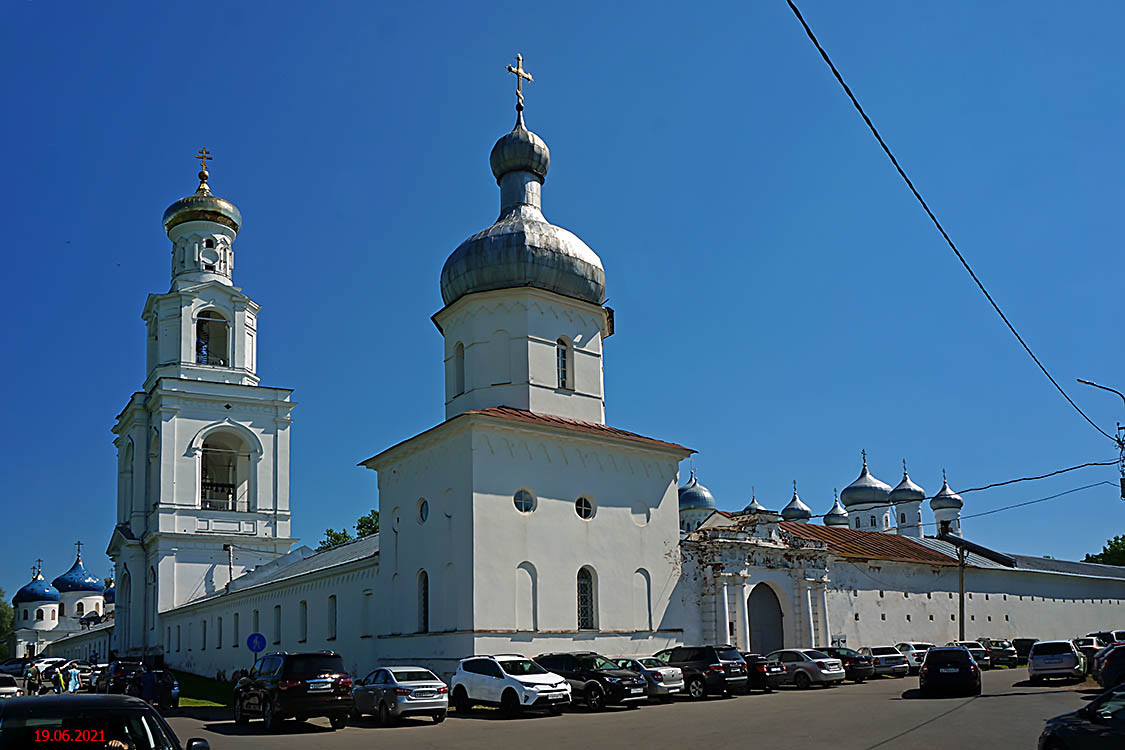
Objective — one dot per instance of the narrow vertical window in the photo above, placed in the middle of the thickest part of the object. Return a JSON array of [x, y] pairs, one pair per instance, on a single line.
[[365, 614], [277, 623], [873, 523], [332, 617], [302, 621], [211, 339], [587, 601], [203, 635], [218, 632], [562, 364], [458, 369], [902, 518], [234, 633], [423, 602], [255, 622], [177, 639]]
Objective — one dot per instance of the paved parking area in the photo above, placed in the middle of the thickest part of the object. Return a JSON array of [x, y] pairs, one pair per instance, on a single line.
[[884, 713]]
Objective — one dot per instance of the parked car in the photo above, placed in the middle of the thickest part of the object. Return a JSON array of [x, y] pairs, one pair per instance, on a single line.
[[708, 670], [914, 652], [980, 654], [282, 685], [761, 673], [999, 651], [116, 676], [1094, 725], [806, 666], [949, 669], [663, 681], [595, 680], [1023, 648], [96, 671], [1100, 659], [15, 667], [121, 720], [165, 688], [887, 660], [1112, 672], [1055, 659], [390, 693], [1088, 647], [510, 681], [857, 667], [9, 688]]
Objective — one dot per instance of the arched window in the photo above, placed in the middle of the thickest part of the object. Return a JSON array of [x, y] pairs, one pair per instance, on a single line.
[[62, 608], [224, 473], [423, 602], [587, 600], [873, 523], [38, 614], [642, 600], [526, 614], [54, 615], [563, 364], [25, 614], [79, 609], [902, 518], [211, 339], [458, 369]]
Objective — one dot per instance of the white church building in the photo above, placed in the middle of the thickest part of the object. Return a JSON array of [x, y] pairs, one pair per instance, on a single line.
[[522, 522]]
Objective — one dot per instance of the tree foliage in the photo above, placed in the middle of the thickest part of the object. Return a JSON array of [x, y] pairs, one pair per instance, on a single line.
[[1113, 553], [364, 526], [7, 621]]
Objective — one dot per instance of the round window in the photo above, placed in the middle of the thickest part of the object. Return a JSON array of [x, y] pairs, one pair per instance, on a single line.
[[423, 510], [584, 507], [524, 501]]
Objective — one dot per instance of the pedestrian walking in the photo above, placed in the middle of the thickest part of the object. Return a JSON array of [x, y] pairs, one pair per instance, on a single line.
[[74, 679], [148, 684], [33, 678], [58, 681]]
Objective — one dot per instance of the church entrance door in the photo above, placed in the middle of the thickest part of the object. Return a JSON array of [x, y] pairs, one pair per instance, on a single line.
[[767, 633]]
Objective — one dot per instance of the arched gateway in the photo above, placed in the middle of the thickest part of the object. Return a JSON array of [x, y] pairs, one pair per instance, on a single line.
[[767, 631]]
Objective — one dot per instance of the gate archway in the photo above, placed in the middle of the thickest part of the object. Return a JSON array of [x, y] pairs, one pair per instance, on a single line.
[[767, 629]]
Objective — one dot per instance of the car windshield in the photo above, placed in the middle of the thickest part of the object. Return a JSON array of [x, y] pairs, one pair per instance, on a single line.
[[845, 652], [652, 663], [314, 664], [884, 651], [1050, 649], [413, 675], [1111, 705], [943, 657], [921, 646], [729, 654], [816, 654], [1002, 644], [597, 663], [134, 729], [520, 667]]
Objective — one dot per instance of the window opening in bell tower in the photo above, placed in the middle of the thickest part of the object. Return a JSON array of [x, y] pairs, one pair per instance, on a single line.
[[211, 339], [224, 474]]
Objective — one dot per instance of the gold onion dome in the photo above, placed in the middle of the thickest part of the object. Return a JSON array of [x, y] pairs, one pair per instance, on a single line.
[[202, 205]]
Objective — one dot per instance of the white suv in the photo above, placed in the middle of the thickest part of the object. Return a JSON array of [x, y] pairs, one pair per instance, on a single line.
[[915, 653], [510, 681]]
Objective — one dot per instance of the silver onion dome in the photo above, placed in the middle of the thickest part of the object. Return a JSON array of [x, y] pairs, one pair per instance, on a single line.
[[202, 206], [523, 249], [906, 491], [754, 507], [694, 496], [946, 499], [865, 490], [838, 516], [796, 510]]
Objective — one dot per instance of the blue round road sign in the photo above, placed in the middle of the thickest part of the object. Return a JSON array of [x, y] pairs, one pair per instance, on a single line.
[[256, 642]]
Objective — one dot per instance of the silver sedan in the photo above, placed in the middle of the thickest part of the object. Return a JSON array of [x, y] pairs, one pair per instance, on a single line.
[[661, 680], [391, 693], [806, 666]]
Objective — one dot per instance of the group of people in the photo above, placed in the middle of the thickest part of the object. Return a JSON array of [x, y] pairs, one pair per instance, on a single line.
[[62, 679]]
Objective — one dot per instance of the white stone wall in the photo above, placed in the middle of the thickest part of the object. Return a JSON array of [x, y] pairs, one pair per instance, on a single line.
[[25, 616], [84, 645]]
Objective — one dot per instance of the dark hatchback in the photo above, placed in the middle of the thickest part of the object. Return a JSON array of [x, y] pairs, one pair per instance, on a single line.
[[857, 667], [87, 721], [117, 676], [708, 670], [165, 688], [948, 670], [595, 680], [761, 673], [1098, 724], [283, 685], [1023, 648]]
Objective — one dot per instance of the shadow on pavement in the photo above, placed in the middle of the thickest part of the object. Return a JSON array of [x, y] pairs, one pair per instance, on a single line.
[[232, 729]]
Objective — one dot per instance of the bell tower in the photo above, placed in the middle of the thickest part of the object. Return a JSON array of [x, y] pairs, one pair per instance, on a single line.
[[203, 449]]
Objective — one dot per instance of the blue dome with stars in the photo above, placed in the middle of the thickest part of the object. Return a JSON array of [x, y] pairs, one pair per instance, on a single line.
[[110, 592], [36, 591], [79, 579]]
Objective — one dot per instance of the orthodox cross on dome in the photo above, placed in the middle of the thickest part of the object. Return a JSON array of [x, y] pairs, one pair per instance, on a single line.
[[78, 546], [904, 473], [864, 454], [204, 156], [38, 569], [521, 76]]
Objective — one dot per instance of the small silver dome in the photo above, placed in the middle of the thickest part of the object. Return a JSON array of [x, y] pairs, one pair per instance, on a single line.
[[694, 496], [906, 491], [946, 499], [838, 516], [520, 151], [755, 507], [202, 206], [796, 510], [865, 490]]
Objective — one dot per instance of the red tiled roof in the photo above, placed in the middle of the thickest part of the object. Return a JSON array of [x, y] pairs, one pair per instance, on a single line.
[[546, 420], [867, 545]]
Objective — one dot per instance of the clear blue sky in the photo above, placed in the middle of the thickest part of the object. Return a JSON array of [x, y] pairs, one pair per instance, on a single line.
[[782, 301]]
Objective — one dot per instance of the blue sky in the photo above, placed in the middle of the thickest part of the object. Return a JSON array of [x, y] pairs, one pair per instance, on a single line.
[[782, 302]]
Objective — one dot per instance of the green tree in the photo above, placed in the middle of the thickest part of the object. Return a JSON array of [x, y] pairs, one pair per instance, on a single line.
[[7, 633], [364, 526], [1113, 553]]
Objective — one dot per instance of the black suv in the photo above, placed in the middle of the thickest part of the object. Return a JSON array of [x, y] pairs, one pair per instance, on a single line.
[[857, 667], [595, 680], [116, 677], [762, 674], [283, 685], [708, 670]]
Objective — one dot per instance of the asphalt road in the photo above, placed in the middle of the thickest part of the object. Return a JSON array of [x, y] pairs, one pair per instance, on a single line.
[[883, 713]]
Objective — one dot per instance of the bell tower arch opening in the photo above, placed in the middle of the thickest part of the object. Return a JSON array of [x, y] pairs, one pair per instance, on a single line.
[[224, 472]]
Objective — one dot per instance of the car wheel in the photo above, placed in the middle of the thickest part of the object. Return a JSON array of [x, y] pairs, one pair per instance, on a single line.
[[510, 704], [977, 691], [338, 721], [269, 717], [461, 700], [355, 714], [695, 688], [555, 710], [595, 697], [802, 681], [240, 716], [384, 715], [439, 717], [858, 680]]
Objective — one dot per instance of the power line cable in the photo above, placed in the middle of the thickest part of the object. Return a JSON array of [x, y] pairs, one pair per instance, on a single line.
[[934, 219], [1029, 502]]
